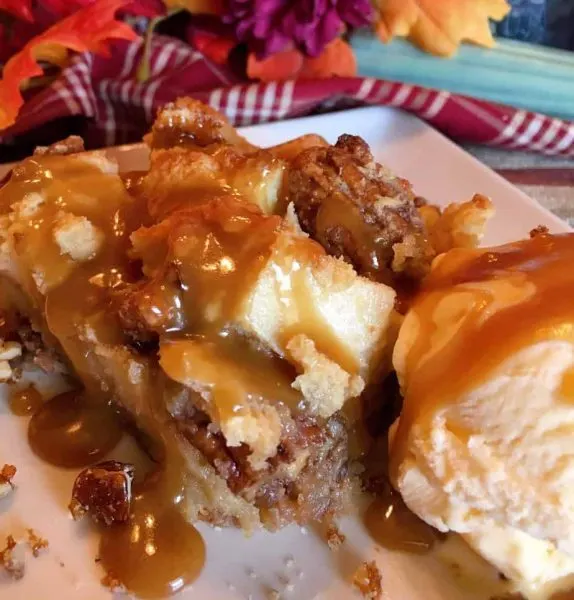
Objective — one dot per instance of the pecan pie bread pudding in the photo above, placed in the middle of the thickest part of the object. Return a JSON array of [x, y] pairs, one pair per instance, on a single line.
[[231, 304]]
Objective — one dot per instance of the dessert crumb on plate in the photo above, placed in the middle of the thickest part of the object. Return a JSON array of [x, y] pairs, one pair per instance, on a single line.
[[367, 580]]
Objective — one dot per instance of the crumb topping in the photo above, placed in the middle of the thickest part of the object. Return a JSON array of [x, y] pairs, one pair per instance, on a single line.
[[335, 539], [77, 237], [367, 580], [36, 542], [6, 475], [11, 560]]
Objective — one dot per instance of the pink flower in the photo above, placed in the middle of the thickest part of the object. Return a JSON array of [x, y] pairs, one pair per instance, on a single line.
[[269, 26]]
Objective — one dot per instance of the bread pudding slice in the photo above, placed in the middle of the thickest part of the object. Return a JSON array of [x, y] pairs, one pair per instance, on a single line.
[[225, 334], [272, 337]]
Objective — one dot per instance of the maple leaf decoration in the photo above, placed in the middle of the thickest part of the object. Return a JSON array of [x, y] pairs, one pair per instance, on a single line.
[[86, 30], [336, 60], [18, 8], [439, 26]]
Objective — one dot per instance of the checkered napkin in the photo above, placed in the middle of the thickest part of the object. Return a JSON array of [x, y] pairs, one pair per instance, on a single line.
[[119, 109]]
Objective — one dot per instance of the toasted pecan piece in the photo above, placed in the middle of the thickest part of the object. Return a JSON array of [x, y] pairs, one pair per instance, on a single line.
[[359, 211], [104, 492]]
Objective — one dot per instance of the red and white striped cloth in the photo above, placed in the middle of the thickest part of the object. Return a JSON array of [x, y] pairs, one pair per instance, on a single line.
[[119, 109]]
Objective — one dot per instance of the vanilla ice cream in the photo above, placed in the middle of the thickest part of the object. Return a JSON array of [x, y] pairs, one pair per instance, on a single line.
[[485, 443]]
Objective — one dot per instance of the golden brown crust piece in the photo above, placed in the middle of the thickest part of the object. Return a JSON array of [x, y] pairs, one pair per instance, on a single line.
[[335, 539], [189, 122], [6, 475], [458, 225], [539, 230], [71, 145], [37, 543], [359, 211], [292, 148], [12, 563]]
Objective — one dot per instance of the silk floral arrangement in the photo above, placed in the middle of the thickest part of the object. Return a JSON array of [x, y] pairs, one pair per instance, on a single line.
[[279, 39]]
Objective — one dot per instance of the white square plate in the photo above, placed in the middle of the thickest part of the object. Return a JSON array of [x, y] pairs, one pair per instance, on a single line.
[[238, 568]]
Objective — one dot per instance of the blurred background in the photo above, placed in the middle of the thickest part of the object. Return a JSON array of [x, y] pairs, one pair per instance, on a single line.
[[549, 22]]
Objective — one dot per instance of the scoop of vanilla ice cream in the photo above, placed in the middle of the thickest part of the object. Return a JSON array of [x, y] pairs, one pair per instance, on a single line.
[[494, 460]]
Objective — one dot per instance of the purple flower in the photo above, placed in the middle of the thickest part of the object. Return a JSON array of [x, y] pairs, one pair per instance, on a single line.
[[269, 26]]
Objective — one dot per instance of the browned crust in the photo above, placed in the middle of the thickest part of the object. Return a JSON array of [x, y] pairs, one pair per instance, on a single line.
[[318, 490], [359, 211], [190, 122], [70, 145]]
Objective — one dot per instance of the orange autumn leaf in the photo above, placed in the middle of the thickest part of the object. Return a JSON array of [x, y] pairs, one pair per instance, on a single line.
[[439, 26], [277, 67], [87, 30], [336, 60]]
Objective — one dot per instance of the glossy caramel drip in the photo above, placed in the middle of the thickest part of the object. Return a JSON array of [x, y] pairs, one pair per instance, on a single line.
[[567, 385], [517, 295], [76, 430], [372, 249], [25, 401], [172, 134], [290, 265], [71, 431], [157, 552], [392, 525], [231, 371], [220, 250]]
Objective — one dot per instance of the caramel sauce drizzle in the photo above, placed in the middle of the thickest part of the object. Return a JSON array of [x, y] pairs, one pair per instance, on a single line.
[[157, 553], [518, 294], [133, 181], [392, 525], [223, 368], [219, 255], [295, 293], [373, 250], [73, 431], [25, 402], [203, 258], [77, 429]]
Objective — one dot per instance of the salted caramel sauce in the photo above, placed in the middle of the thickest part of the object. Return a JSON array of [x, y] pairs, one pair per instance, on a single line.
[[521, 294], [387, 519], [219, 253], [25, 401], [219, 250], [221, 368], [292, 261], [157, 553], [78, 429], [71, 431], [373, 250], [392, 525]]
